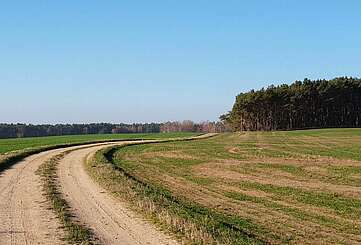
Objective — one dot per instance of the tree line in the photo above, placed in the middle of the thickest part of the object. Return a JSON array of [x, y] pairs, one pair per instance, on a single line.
[[190, 126], [301, 105], [30, 130]]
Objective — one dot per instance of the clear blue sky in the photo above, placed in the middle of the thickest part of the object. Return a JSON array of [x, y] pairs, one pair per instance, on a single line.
[[142, 61]]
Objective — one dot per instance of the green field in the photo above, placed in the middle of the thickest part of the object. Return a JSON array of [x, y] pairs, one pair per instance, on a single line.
[[7, 145], [241, 188]]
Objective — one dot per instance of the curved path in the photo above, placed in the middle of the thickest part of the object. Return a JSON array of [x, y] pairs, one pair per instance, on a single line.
[[25, 217], [111, 221]]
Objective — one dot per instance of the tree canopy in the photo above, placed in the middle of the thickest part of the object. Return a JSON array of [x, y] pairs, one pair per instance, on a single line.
[[301, 105]]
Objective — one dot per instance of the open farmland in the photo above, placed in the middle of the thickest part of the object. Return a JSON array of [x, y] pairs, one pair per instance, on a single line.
[[7, 145], [254, 187]]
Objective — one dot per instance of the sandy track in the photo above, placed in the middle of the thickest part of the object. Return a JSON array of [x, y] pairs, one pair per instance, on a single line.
[[25, 217], [24, 214], [110, 220]]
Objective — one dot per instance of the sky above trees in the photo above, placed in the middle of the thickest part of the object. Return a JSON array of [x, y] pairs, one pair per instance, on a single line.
[[145, 61]]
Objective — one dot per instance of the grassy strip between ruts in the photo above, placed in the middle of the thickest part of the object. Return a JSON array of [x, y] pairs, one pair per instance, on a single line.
[[189, 221], [75, 232]]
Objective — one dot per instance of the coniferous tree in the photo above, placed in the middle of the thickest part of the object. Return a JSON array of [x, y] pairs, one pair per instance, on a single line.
[[307, 104]]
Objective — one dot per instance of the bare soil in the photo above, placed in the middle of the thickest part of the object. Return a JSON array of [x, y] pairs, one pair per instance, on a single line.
[[25, 217]]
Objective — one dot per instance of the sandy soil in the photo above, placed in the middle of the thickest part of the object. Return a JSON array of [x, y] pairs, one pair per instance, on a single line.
[[24, 214]]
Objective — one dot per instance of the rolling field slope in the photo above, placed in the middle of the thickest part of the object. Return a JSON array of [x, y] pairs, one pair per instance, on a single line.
[[254, 187]]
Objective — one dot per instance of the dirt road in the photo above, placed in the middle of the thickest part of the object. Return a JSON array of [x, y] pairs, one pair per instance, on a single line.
[[25, 217], [111, 221]]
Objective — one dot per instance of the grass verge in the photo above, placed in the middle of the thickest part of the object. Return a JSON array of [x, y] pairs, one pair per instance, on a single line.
[[75, 233]]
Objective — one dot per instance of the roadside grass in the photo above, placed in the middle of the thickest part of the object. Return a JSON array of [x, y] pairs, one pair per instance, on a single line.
[[75, 232], [286, 187]]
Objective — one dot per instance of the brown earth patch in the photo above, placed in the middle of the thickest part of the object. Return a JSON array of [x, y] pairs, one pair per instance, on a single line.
[[168, 154], [234, 150], [296, 161], [232, 188]]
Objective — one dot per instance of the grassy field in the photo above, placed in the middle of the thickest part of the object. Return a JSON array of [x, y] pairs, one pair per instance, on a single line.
[[256, 187], [7, 145]]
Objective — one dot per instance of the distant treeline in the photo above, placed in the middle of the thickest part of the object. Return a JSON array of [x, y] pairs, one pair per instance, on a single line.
[[29, 130], [307, 104], [189, 126]]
